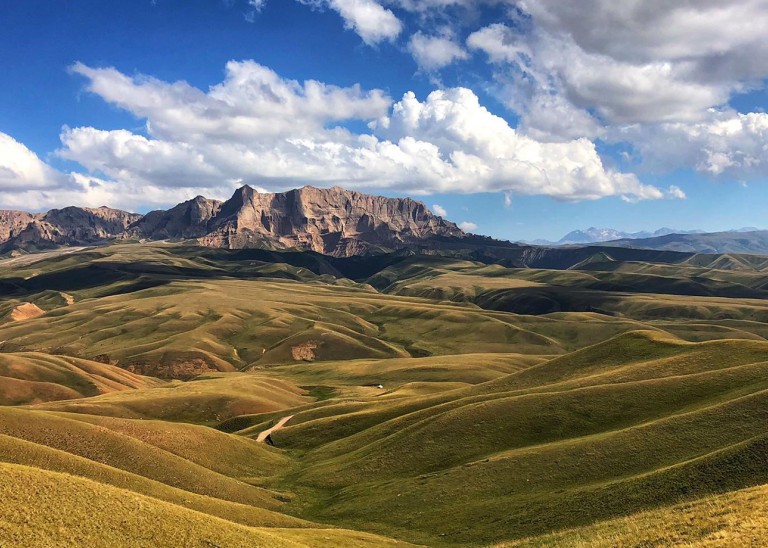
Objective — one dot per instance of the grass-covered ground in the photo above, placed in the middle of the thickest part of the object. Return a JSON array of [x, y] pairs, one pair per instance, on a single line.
[[627, 406]]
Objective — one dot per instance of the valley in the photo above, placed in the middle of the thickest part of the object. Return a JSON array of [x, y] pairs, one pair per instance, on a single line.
[[410, 399]]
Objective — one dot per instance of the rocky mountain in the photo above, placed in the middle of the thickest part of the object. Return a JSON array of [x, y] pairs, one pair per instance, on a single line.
[[597, 235], [68, 226], [754, 242], [13, 222], [332, 221], [189, 219]]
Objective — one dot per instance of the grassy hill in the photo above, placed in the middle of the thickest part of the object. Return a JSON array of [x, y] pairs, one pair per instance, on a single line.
[[732, 519], [432, 400]]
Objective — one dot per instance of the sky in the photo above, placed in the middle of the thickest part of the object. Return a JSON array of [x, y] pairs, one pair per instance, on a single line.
[[518, 119]]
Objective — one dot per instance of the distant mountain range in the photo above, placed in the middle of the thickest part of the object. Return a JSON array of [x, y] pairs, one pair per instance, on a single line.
[[599, 235], [331, 221], [339, 223], [746, 241], [593, 235]]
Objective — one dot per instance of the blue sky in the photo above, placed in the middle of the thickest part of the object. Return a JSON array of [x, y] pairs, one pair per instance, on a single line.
[[524, 119]]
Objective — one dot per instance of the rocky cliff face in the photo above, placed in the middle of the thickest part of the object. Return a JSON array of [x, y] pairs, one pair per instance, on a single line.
[[187, 220], [68, 226], [332, 221], [13, 222]]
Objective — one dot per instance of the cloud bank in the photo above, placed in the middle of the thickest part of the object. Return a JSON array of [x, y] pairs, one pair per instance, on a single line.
[[258, 128]]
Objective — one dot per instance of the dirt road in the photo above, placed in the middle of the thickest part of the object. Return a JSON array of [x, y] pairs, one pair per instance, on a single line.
[[263, 435]]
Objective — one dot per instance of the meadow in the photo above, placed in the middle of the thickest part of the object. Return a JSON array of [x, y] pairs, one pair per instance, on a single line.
[[433, 400]]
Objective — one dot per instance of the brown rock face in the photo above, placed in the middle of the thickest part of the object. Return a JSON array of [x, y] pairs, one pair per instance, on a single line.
[[332, 221], [187, 220], [304, 352], [68, 226], [13, 222]]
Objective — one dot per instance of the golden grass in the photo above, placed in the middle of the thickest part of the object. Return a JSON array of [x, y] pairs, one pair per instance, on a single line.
[[42, 508], [208, 400], [739, 518], [130, 454], [27, 378]]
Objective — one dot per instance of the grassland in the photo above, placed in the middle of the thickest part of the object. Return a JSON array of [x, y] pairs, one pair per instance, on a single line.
[[435, 401]]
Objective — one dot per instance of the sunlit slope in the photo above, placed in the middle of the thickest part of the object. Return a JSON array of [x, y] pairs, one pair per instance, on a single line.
[[569, 443], [43, 508], [27, 378], [642, 291], [733, 519], [206, 400], [185, 328], [129, 453]]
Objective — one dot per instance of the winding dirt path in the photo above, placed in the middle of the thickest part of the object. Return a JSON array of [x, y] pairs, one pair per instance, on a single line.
[[263, 435]]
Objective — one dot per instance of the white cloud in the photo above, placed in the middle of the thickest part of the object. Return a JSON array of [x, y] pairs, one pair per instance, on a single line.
[[507, 199], [254, 8], [421, 6], [676, 193], [468, 226], [637, 72], [435, 52], [89, 191], [500, 43], [21, 169], [260, 129], [127, 157], [476, 151], [368, 18], [726, 144], [252, 102], [439, 210]]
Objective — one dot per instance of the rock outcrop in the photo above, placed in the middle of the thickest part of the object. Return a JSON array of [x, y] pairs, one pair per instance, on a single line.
[[332, 221], [13, 222], [68, 226], [189, 219]]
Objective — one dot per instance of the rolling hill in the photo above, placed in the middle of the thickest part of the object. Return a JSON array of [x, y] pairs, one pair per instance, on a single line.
[[585, 396]]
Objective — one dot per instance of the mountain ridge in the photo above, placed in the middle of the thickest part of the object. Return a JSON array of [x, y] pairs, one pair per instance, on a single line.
[[598, 235], [332, 221]]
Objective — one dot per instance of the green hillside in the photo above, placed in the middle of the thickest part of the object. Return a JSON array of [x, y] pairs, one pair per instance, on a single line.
[[428, 400]]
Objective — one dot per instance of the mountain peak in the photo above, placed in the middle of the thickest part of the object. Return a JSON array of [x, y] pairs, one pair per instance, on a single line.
[[333, 221]]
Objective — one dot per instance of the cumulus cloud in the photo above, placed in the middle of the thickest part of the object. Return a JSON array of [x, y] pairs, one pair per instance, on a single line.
[[439, 210], [658, 75], [21, 169], [435, 52], [256, 126], [252, 102], [128, 157], [468, 226], [28, 183], [478, 151], [501, 43], [649, 61], [368, 18], [726, 144]]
